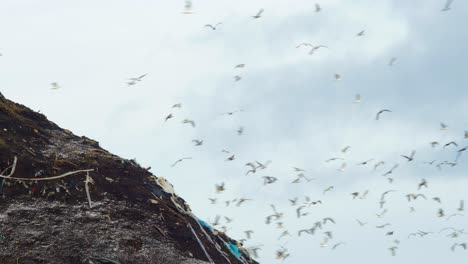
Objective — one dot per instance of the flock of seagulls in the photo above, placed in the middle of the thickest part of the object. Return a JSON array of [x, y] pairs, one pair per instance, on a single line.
[[303, 207]]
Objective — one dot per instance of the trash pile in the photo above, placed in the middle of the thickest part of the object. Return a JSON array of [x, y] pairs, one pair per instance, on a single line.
[[64, 199]]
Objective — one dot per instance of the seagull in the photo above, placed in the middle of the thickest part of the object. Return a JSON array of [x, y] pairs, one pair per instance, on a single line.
[[443, 126], [361, 223], [231, 158], [188, 7], [451, 143], [213, 27], [462, 245], [220, 187], [178, 105], [328, 189], [393, 250], [381, 163], [357, 99], [383, 226], [138, 79], [237, 78], [328, 219], [459, 153], [240, 131], [304, 44], [462, 206], [377, 117], [213, 200], [296, 169], [298, 211], [447, 5], [264, 165], [242, 65], [314, 48], [337, 77], [392, 61], [168, 117], [197, 142], [268, 180], [188, 121], [411, 157], [345, 149], [317, 8], [259, 14], [365, 162], [180, 160], [333, 159], [361, 33], [55, 86], [343, 167], [248, 233], [391, 171], [440, 213], [453, 215], [434, 144], [382, 197], [422, 184], [293, 201]]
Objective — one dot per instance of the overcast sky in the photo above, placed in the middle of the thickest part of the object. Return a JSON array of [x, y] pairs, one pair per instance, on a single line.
[[295, 113]]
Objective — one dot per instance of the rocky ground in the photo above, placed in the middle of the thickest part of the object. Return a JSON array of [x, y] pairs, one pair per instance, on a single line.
[[130, 216]]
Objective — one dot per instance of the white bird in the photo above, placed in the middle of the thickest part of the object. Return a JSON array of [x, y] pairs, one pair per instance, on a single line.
[[357, 99], [314, 48], [318, 8], [443, 126], [188, 121], [242, 65], [447, 5], [187, 7], [361, 33], [259, 14], [55, 86], [392, 61], [337, 77], [213, 27], [377, 117], [237, 78]]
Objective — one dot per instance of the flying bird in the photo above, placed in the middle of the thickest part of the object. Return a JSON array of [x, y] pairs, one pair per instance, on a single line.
[[361, 33], [259, 14], [188, 7], [377, 117], [55, 86], [447, 6], [443, 126], [410, 157], [180, 160], [318, 8], [315, 48], [238, 66], [392, 61], [357, 99], [197, 142], [304, 44], [168, 117], [188, 121], [213, 27], [237, 78], [337, 77]]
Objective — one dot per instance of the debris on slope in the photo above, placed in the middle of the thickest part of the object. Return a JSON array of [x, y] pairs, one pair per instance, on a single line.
[[67, 200]]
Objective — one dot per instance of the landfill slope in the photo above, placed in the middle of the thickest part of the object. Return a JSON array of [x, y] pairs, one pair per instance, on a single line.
[[64, 199]]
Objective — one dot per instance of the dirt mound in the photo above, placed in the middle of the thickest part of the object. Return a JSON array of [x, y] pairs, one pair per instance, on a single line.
[[67, 200]]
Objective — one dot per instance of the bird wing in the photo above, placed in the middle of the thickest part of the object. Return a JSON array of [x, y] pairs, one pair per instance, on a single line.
[[260, 12], [210, 26]]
